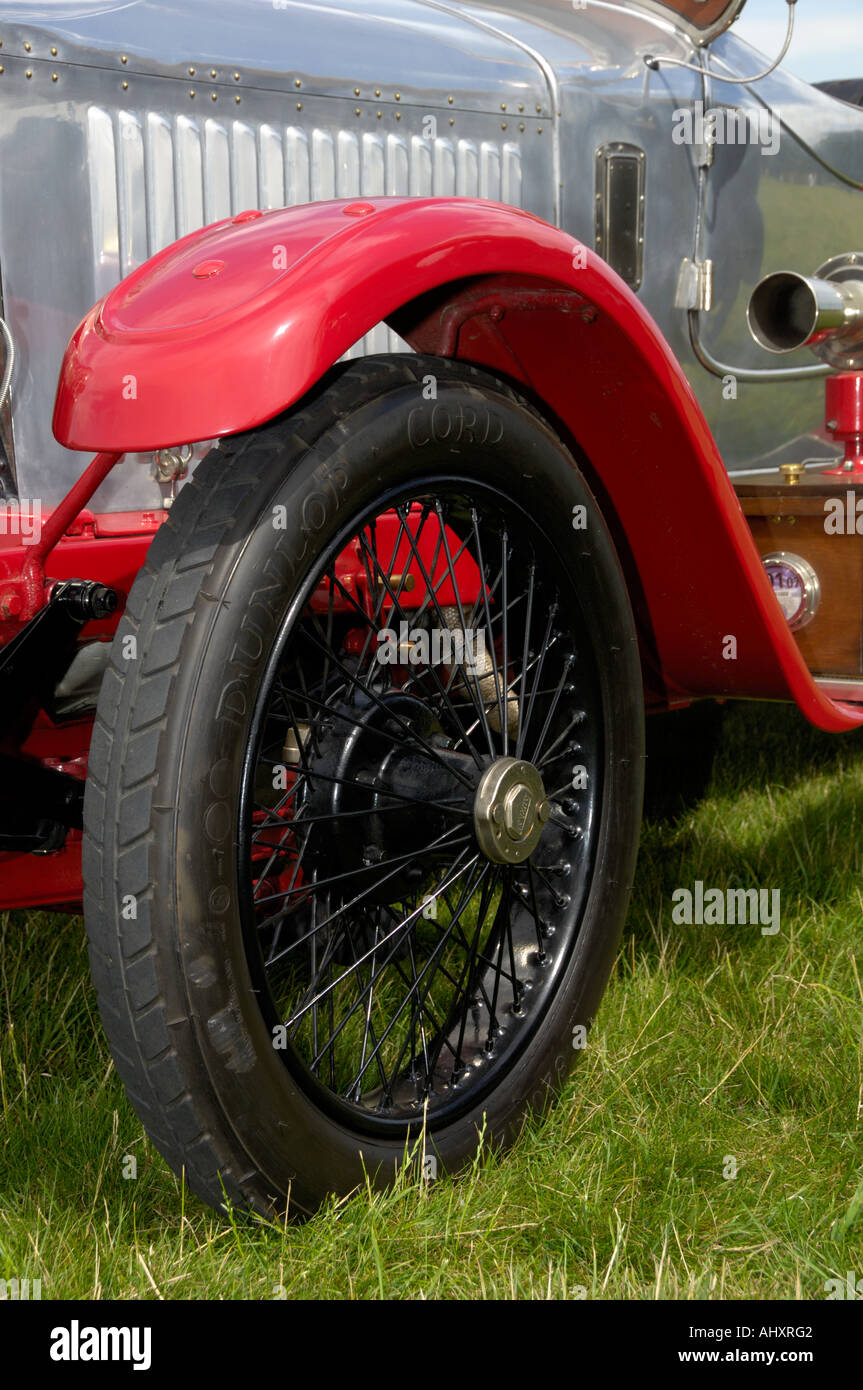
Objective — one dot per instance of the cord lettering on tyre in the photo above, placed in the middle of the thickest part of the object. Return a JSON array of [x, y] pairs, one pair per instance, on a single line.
[[458, 425]]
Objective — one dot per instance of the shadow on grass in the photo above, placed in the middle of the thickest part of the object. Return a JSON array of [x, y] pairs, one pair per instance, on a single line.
[[783, 810]]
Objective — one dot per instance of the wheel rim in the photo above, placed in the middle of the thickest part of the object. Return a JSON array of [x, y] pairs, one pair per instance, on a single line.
[[417, 835]]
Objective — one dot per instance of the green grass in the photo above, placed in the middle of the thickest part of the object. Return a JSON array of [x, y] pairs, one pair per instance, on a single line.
[[711, 1042]]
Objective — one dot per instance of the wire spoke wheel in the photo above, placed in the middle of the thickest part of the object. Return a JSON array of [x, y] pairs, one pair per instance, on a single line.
[[373, 786], [416, 854]]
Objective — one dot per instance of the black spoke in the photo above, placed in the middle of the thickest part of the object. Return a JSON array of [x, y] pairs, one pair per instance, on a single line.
[[305, 1006], [432, 590], [376, 699], [369, 868], [466, 894]]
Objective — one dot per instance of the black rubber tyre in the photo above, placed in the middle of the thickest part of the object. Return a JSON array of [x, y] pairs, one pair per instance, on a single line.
[[219, 625]]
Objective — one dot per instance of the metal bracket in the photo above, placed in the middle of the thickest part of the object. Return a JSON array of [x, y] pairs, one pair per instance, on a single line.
[[37, 658], [695, 286]]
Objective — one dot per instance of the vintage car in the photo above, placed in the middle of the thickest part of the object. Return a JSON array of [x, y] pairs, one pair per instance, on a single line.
[[446, 405]]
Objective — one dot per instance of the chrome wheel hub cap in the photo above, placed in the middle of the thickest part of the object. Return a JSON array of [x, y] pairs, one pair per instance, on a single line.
[[510, 810]]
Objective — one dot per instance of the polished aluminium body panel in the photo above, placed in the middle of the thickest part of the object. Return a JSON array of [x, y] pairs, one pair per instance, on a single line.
[[105, 162], [762, 212], [107, 155]]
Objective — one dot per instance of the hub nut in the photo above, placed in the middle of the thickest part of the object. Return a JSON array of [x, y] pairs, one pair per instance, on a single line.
[[510, 810]]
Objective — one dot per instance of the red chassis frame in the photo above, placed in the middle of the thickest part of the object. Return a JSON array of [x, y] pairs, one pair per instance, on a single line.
[[234, 323], [109, 548]]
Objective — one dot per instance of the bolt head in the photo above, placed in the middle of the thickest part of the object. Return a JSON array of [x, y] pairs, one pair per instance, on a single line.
[[10, 605]]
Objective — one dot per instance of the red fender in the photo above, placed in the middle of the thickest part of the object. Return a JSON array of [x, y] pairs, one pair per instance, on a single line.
[[232, 324]]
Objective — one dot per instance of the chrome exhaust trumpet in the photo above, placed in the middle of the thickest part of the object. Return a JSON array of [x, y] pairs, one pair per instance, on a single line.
[[824, 311]]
